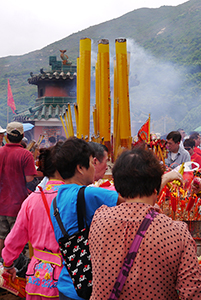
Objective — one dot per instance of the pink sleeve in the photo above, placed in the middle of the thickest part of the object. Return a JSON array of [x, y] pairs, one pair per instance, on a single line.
[[17, 238]]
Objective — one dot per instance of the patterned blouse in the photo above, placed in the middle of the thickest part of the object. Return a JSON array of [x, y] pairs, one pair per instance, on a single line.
[[166, 266]]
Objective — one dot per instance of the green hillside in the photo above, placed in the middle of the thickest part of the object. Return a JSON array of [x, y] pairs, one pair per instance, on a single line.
[[164, 44]]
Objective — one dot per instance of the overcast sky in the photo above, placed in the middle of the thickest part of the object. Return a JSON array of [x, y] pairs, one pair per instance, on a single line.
[[27, 26]]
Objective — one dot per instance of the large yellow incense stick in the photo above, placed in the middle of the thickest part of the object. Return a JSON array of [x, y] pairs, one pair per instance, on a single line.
[[97, 93], [123, 93], [84, 88], [78, 88], [116, 139], [70, 120], [66, 122], [76, 115], [62, 122], [104, 91]]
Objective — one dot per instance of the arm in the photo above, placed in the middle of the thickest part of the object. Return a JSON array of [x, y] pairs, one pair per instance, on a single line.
[[29, 178], [11, 270], [17, 238], [170, 176]]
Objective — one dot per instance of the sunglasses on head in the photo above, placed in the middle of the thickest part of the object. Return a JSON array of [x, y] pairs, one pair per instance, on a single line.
[[187, 148]]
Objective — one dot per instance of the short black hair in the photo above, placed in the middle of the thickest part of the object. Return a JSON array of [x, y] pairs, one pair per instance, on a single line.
[[99, 150], [137, 173], [72, 153], [15, 138], [189, 143], [175, 136], [46, 159]]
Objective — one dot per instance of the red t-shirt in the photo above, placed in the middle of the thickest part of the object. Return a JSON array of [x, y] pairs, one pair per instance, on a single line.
[[197, 150], [197, 158], [15, 163]]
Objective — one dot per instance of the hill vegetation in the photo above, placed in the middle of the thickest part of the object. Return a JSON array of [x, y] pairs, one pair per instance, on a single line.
[[164, 45]]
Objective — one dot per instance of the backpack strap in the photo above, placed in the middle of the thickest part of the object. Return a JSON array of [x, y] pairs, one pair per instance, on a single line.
[[81, 208], [128, 262], [58, 218], [81, 212]]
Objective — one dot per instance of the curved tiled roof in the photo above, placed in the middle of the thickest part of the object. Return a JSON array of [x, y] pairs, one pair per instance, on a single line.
[[44, 110], [70, 75]]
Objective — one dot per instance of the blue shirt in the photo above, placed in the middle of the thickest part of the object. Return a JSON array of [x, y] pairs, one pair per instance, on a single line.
[[66, 203]]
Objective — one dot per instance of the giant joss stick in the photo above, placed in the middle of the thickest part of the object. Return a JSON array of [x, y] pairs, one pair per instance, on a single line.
[[123, 93], [84, 81], [104, 101]]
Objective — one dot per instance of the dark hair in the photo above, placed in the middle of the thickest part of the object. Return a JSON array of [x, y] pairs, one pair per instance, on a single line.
[[175, 136], [189, 143], [99, 150], [15, 139], [73, 152], [137, 173], [46, 159], [194, 135]]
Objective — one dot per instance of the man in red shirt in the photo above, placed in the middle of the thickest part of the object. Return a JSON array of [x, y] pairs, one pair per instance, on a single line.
[[189, 145], [16, 169]]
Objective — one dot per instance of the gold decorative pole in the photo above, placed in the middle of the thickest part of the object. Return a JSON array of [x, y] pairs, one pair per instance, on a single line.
[[97, 94], [116, 130], [66, 122], [104, 114], [123, 93], [62, 122], [76, 116], [70, 120], [78, 88], [84, 89]]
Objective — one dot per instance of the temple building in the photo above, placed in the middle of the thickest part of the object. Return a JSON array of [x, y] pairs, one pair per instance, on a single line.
[[56, 88]]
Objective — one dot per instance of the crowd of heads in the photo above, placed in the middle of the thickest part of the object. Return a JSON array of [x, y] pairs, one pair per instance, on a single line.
[[136, 172]]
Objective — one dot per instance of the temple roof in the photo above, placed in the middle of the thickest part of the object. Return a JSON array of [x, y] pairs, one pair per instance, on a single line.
[[45, 108], [58, 72], [53, 76], [51, 107]]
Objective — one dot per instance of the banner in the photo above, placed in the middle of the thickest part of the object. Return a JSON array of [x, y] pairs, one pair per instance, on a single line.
[[10, 100], [144, 132]]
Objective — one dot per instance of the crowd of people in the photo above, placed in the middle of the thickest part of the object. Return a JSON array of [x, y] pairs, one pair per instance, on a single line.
[[166, 264]]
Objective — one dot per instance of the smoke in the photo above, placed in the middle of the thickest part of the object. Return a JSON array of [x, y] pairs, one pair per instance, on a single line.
[[156, 87], [158, 92]]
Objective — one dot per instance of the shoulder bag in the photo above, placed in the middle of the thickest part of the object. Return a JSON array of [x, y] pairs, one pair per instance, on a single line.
[[75, 249]]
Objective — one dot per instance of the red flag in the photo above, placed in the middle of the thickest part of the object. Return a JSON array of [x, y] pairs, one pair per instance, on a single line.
[[144, 132], [10, 101]]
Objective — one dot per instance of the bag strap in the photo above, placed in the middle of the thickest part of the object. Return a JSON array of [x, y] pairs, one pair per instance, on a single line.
[[81, 212], [81, 208], [128, 262], [45, 204], [58, 218]]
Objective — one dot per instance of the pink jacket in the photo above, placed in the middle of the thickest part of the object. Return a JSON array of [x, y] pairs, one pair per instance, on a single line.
[[33, 225]]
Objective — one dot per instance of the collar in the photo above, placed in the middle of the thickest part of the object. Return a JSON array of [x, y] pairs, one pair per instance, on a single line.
[[13, 145]]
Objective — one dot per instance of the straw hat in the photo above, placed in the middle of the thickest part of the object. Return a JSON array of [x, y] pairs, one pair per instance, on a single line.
[[2, 130]]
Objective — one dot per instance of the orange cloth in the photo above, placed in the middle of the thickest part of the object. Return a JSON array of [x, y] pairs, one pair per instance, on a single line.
[[166, 260]]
